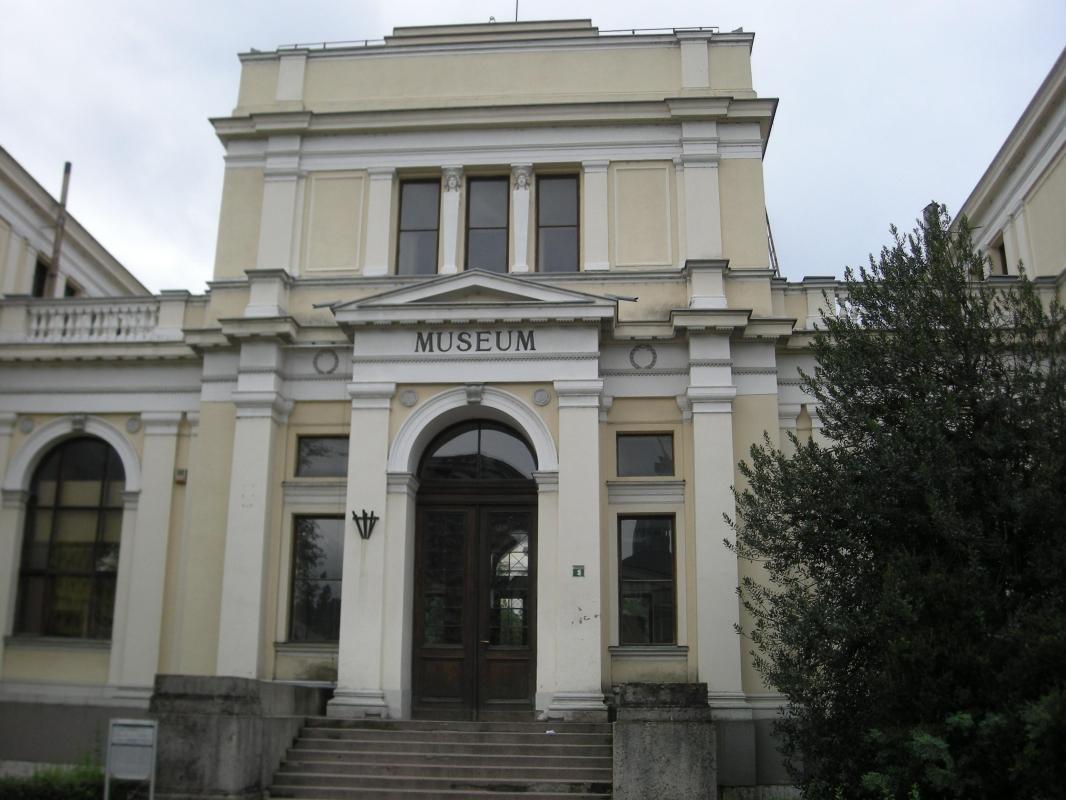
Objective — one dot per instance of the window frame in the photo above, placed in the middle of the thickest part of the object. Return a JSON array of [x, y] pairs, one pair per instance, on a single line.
[[576, 226], [619, 521], [470, 182], [290, 605], [618, 461], [400, 230], [50, 572]]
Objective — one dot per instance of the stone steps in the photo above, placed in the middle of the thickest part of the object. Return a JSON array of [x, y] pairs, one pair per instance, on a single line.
[[339, 759]]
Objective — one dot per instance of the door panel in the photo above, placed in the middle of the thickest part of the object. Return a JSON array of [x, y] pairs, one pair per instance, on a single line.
[[474, 626]]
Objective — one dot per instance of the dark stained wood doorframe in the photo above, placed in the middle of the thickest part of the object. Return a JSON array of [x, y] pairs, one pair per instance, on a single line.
[[473, 500]]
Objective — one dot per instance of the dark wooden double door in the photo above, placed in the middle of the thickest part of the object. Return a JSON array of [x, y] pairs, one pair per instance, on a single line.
[[475, 604]]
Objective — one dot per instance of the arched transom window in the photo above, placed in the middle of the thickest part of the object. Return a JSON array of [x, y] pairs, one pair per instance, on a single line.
[[71, 542], [478, 451]]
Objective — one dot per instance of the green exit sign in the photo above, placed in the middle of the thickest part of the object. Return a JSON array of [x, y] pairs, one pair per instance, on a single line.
[[579, 570]]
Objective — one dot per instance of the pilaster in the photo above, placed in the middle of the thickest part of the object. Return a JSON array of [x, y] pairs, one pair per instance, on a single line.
[[261, 411], [360, 679], [450, 218], [379, 221], [594, 223], [12, 508], [703, 208], [138, 658], [278, 219], [578, 690], [711, 395], [787, 418], [521, 178]]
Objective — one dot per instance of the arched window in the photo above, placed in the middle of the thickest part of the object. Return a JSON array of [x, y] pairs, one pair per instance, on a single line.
[[71, 542], [479, 450]]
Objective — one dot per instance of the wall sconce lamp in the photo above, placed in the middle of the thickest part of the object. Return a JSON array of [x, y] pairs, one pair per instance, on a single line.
[[365, 523]]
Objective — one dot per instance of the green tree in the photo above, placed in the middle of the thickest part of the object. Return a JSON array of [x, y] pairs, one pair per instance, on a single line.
[[916, 609]]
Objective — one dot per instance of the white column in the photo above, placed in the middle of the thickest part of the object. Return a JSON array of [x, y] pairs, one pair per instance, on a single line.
[[12, 507], [360, 686], [703, 208], [521, 176], [450, 221], [711, 396], [594, 224], [379, 221], [817, 433], [10, 268], [548, 580], [399, 532], [146, 549], [59, 285], [241, 632], [578, 613], [279, 217]]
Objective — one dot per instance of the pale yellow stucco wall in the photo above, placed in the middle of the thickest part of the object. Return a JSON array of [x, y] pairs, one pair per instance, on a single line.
[[642, 214], [740, 182], [1045, 212], [203, 550], [752, 416], [168, 643], [238, 221], [56, 664], [334, 219], [259, 83], [730, 68]]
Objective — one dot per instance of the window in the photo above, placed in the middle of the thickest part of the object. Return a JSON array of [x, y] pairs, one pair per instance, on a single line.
[[322, 457], [71, 542], [72, 289], [557, 220], [646, 580], [482, 451], [317, 564], [645, 454], [40, 278], [416, 248], [486, 223]]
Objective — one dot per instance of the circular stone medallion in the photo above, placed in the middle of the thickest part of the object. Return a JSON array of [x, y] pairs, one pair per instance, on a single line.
[[325, 362], [643, 356]]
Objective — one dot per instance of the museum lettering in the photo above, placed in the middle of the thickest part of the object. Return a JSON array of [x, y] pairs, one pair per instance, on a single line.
[[506, 341]]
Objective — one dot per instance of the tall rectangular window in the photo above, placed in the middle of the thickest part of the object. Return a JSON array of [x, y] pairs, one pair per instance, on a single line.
[[647, 598], [557, 223], [40, 278], [322, 457], [416, 248], [317, 564], [645, 454], [487, 211]]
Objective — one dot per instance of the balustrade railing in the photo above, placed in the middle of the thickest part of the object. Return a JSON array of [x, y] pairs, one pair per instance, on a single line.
[[104, 321]]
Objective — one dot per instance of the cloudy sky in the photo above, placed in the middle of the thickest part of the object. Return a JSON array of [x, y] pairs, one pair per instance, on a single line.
[[884, 105]]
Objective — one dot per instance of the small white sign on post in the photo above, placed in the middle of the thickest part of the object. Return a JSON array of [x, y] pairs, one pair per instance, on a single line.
[[131, 747]]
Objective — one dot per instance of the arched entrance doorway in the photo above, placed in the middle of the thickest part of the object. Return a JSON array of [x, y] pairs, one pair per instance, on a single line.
[[474, 650]]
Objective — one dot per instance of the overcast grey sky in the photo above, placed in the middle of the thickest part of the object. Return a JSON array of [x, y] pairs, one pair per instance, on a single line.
[[884, 105]]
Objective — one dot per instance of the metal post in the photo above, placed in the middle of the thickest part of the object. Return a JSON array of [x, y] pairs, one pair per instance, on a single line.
[[57, 242]]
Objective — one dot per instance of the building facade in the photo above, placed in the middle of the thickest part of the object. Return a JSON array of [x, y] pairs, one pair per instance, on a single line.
[[454, 431]]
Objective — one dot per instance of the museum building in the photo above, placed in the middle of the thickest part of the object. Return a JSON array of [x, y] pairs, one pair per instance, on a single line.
[[454, 432]]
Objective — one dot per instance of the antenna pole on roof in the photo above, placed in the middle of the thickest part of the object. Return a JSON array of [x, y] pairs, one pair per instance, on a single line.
[[57, 243], [516, 10]]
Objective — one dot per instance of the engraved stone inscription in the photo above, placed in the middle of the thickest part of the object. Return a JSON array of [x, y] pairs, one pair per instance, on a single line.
[[475, 341]]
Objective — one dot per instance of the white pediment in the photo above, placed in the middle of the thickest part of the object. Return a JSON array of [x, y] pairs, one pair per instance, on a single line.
[[473, 296]]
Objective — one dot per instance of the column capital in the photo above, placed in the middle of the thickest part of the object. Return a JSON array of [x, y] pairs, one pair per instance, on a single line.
[[453, 177], [787, 414], [579, 394], [547, 481], [130, 500], [401, 483], [711, 399], [371, 395], [14, 498], [251, 405], [7, 422], [521, 176], [161, 423], [599, 165], [685, 405], [381, 173]]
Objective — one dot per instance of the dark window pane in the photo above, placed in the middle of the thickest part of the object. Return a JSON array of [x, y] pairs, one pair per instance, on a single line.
[[645, 454], [443, 577], [84, 460], [557, 201], [646, 580], [557, 250], [487, 249], [417, 253], [318, 562], [478, 451], [505, 456], [487, 206], [322, 456], [30, 617], [70, 607], [419, 207]]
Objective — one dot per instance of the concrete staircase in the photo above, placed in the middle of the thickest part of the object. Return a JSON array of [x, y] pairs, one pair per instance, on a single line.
[[388, 759]]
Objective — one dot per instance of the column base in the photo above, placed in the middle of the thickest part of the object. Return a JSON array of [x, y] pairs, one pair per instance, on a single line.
[[358, 704], [576, 707]]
